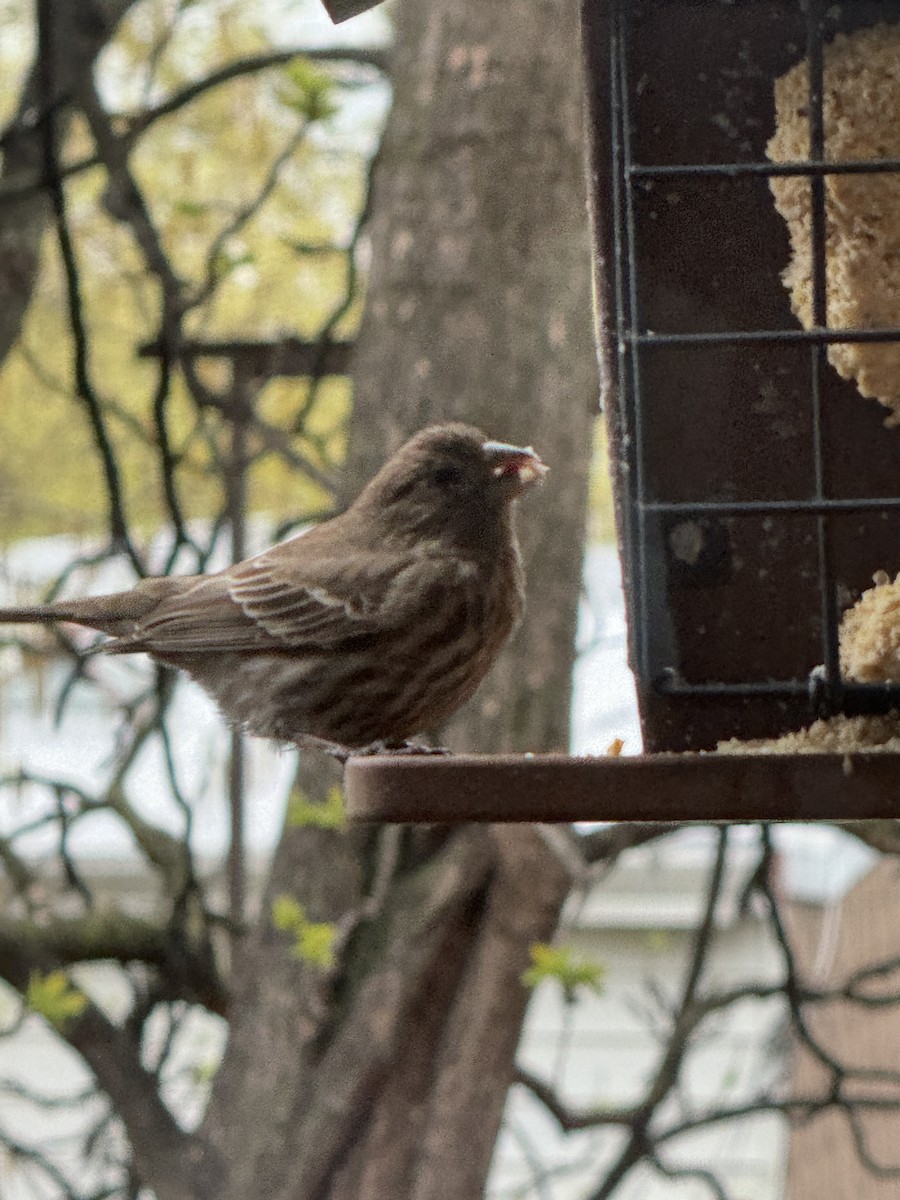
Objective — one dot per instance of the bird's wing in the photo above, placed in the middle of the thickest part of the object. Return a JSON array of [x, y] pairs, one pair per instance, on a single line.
[[335, 599], [281, 599]]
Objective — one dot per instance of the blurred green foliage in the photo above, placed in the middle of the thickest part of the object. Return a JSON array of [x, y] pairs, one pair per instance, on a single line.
[[53, 997], [316, 814], [198, 168], [313, 940], [562, 964]]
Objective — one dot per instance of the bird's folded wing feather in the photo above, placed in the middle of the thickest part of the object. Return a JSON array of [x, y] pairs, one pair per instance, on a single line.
[[321, 611], [280, 600]]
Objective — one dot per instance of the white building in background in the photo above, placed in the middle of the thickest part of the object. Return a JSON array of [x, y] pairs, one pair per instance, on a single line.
[[636, 923]]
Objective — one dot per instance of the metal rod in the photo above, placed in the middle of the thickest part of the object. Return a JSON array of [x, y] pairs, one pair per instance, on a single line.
[[857, 698], [737, 508], [667, 685], [627, 441], [641, 580], [867, 697], [824, 337], [818, 352], [879, 166]]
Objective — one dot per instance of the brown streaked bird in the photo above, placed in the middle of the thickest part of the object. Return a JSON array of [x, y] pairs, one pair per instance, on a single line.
[[369, 628]]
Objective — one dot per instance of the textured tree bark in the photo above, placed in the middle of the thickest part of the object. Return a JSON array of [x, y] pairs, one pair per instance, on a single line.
[[479, 307], [474, 1069], [388, 1080]]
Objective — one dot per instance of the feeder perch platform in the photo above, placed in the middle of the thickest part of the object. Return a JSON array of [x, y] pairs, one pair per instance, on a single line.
[[654, 787]]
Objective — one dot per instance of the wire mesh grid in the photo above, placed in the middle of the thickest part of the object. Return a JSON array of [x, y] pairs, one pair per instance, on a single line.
[[662, 646]]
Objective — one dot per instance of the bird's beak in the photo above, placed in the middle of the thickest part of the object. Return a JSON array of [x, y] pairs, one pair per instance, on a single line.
[[519, 465]]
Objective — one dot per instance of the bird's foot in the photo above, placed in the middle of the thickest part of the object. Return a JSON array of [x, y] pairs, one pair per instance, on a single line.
[[415, 748], [397, 750], [381, 747]]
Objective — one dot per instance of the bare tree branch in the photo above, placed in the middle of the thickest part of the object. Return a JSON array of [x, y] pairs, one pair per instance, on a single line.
[[118, 524], [161, 1149], [44, 110], [17, 1149], [705, 1176], [253, 64], [245, 214], [570, 1120], [606, 844], [639, 1140], [103, 933]]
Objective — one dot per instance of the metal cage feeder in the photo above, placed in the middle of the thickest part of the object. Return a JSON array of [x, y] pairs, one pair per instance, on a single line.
[[756, 490]]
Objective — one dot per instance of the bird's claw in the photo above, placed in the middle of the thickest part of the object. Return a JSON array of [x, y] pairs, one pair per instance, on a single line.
[[393, 750], [413, 748]]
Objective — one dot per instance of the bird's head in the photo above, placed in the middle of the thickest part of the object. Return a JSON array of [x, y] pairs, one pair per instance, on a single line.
[[452, 480]]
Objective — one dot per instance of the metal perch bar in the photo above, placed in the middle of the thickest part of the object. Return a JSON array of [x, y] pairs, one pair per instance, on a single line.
[[655, 787]]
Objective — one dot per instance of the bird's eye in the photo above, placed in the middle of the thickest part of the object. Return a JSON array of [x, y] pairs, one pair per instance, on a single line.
[[446, 476]]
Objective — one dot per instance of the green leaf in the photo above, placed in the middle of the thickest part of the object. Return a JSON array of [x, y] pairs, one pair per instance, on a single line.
[[315, 944], [561, 963], [318, 815], [308, 91], [52, 997], [287, 913], [203, 1073], [226, 261], [190, 208], [313, 940]]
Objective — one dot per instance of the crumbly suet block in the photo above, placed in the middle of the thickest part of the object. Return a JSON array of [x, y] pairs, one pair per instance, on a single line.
[[837, 735], [861, 106], [870, 634], [869, 639]]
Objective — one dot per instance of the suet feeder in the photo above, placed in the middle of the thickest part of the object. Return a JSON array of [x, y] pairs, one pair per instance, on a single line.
[[745, 157]]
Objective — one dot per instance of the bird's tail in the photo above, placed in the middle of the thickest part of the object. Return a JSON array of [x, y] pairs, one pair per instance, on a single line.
[[115, 614], [37, 613]]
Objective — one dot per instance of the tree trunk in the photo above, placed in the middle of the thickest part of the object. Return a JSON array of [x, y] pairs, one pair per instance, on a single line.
[[387, 1080], [480, 308]]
